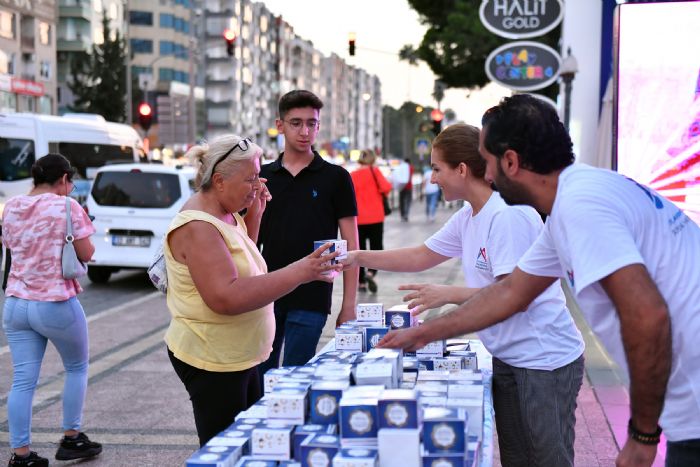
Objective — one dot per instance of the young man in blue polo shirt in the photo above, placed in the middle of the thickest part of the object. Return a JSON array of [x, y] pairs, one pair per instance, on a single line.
[[311, 200]]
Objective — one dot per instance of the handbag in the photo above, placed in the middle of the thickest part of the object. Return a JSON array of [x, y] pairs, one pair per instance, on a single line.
[[71, 266], [385, 199], [157, 272]]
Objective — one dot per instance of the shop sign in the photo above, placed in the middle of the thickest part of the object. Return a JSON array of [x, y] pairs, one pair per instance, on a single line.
[[23, 86], [521, 19], [523, 65]]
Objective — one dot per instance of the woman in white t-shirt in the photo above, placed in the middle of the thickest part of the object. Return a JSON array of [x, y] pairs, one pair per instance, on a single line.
[[538, 353]]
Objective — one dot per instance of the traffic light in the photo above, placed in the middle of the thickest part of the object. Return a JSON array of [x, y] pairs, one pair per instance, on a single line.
[[230, 37], [145, 115], [436, 116], [351, 44]]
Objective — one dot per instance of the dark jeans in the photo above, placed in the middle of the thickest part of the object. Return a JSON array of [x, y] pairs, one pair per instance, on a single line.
[[299, 331], [405, 196], [683, 453], [374, 234], [535, 413], [217, 397]]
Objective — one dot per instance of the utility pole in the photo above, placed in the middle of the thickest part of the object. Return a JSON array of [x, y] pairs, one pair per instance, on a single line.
[[127, 63]]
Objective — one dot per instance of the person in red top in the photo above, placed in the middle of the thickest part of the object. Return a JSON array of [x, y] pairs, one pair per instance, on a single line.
[[370, 185]]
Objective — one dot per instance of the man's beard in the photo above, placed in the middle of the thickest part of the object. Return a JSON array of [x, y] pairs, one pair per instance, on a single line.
[[512, 192]]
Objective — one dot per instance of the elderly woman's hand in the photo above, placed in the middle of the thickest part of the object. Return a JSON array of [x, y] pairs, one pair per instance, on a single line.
[[262, 197], [317, 266]]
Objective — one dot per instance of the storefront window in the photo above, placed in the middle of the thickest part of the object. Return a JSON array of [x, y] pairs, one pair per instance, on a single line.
[[44, 105], [8, 102]]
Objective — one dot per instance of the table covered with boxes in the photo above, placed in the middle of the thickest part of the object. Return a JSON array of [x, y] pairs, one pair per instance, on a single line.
[[355, 405]]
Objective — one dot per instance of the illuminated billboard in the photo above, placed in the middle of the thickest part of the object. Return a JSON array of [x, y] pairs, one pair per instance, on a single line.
[[657, 113]]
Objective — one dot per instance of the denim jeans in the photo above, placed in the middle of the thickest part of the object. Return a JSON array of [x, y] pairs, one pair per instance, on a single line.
[[683, 453], [29, 325], [431, 200], [299, 331]]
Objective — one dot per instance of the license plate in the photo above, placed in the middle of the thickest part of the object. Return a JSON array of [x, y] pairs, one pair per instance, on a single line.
[[131, 240]]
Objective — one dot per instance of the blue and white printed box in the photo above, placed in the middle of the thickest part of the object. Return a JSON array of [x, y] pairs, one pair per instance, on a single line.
[[329, 369], [349, 339], [469, 359], [324, 400], [272, 442], [272, 376], [339, 245], [287, 404], [399, 447], [443, 459], [447, 363], [474, 407], [444, 430], [432, 350], [356, 457], [370, 313], [399, 317], [373, 334], [319, 450], [381, 372], [215, 456], [398, 408], [234, 438], [248, 461], [358, 419], [304, 431]]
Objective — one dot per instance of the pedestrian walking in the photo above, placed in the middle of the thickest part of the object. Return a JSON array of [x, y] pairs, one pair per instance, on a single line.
[[370, 189], [42, 306], [630, 257]]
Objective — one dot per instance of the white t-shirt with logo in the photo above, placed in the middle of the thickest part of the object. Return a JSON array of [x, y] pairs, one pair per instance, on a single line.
[[490, 244], [601, 222]]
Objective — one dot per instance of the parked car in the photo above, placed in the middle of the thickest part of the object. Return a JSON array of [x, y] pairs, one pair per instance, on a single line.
[[132, 206]]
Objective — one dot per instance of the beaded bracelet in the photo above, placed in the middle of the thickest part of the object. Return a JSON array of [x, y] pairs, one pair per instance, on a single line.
[[644, 438]]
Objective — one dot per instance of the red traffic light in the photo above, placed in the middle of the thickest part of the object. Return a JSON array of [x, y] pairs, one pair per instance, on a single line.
[[229, 35], [145, 109], [436, 115]]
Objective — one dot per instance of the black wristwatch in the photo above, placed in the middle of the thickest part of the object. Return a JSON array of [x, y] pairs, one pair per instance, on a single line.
[[644, 438]]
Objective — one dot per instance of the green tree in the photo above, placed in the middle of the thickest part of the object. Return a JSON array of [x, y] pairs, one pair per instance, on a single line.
[[456, 44], [98, 77]]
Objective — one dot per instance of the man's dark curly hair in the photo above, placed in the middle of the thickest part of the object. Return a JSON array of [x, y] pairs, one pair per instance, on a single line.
[[530, 127]]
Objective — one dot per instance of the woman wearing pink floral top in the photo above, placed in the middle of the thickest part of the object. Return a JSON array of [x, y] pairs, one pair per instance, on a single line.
[[40, 305]]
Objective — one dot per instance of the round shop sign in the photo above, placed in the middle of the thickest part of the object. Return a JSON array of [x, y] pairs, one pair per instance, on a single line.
[[521, 19], [523, 65]]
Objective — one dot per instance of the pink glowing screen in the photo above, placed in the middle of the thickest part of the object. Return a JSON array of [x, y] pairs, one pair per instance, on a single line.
[[658, 99]]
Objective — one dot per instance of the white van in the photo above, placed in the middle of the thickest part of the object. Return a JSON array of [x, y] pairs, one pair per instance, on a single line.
[[87, 140], [132, 206]]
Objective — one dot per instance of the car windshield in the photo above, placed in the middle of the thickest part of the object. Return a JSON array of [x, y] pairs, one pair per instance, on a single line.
[[136, 189]]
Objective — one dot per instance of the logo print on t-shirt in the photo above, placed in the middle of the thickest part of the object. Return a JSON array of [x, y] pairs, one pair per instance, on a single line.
[[482, 261], [570, 275]]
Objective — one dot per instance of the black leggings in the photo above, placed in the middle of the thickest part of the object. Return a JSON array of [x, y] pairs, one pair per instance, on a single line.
[[373, 233], [217, 397]]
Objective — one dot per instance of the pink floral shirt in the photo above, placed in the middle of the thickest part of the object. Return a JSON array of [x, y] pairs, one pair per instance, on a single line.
[[34, 229]]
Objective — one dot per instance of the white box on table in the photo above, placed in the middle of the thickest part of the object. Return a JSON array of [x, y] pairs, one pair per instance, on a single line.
[[433, 349], [272, 442], [272, 376], [215, 456], [349, 339], [288, 404], [399, 447], [370, 312], [249, 461], [356, 457]]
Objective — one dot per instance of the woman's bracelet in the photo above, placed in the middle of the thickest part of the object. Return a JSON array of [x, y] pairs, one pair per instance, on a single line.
[[644, 438]]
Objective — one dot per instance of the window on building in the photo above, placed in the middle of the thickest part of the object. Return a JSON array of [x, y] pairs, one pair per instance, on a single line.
[[166, 20], [44, 33], [141, 46], [7, 25], [143, 18], [45, 70], [166, 47]]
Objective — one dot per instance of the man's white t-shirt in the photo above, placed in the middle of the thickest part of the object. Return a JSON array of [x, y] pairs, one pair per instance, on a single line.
[[601, 222], [490, 244]]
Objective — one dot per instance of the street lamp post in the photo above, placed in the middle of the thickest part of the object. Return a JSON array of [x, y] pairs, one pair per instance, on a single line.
[[569, 68]]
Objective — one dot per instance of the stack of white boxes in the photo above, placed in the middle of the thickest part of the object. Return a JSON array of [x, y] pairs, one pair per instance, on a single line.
[[360, 406]]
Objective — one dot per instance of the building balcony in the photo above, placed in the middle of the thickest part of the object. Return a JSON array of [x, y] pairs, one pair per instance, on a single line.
[[219, 81], [77, 44], [81, 10]]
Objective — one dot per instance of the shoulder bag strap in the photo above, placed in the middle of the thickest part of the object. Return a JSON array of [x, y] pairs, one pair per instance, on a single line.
[[376, 182], [69, 224]]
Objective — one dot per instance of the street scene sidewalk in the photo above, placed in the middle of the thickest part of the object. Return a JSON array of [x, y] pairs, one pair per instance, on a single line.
[[137, 407]]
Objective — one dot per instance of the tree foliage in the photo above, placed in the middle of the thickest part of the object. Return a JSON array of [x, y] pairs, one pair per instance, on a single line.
[[98, 77], [456, 44]]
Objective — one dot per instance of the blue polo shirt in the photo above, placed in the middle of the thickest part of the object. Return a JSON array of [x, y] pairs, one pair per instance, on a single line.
[[304, 208]]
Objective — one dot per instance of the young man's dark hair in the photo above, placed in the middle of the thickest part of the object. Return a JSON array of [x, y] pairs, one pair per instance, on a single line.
[[530, 127], [297, 99]]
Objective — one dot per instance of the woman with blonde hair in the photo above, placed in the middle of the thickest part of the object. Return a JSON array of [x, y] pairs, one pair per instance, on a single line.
[[219, 294], [370, 187]]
